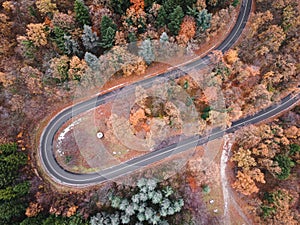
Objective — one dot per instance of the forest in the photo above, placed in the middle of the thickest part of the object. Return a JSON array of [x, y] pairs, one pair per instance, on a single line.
[[51, 50]]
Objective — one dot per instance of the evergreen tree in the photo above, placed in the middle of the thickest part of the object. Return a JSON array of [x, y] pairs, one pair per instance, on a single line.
[[92, 61], [71, 46], [90, 39], [161, 17], [140, 209], [108, 31], [16, 191], [119, 6], [163, 39], [81, 13], [175, 20], [59, 38], [203, 20], [146, 51], [11, 210]]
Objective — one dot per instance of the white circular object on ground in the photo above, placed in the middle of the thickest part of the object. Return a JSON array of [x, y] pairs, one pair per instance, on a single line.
[[100, 135]]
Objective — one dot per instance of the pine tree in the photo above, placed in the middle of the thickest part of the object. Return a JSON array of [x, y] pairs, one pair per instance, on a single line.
[[59, 38], [108, 38], [92, 61], [164, 38], [108, 31], [175, 20], [81, 13], [146, 51], [203, 20], [90, 39], [161, 17], [119, 6], [71, 46]]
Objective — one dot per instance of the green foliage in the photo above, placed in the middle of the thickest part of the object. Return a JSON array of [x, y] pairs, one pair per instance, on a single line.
[[148, 205], [16, 191], [206, 189], [132, 37], [161, 19], [10, 162], [108, 31], [90, 39], [267, 211], [119, 6], [37, 220], [205, 113], [29, 49], [54, 220], [12, 204], [175, 20], [146, 51], [285, 163], [10, 211], [81, 13], [294, 148], [235, 3], [7, 149], [59, 39], [203, 20]]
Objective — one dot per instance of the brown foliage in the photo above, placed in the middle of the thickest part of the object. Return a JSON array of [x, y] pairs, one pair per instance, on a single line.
[[272, 38], [97, 12], [32, 79], [64, 21]]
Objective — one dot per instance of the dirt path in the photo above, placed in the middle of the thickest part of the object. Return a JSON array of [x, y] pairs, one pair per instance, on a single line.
[[227, 193]]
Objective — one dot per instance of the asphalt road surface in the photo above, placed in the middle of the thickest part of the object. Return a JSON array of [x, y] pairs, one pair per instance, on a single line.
[[62, 176]]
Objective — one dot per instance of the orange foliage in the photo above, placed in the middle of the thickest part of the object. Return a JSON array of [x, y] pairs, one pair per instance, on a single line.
[[37, 34], [33, 209], [138, 5], [192, 182], [231, 56], [187, 30]]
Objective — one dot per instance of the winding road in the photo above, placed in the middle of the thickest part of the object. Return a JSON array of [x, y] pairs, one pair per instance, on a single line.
[[62, 176]]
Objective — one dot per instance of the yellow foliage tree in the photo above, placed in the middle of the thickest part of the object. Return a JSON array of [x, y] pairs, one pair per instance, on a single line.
[[231, 56], [37, 34], [245, 184], [45, 6], [243, 158], [77, 68]]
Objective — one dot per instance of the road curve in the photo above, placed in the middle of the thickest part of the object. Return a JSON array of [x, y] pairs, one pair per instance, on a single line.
[[62, 176]]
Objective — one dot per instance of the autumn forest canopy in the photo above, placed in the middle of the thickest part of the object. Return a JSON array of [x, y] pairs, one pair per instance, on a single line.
[[52, 51]]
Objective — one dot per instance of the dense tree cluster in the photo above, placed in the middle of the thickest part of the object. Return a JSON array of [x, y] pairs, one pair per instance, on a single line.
[[266, 158], [13, 190], [148, 205]]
